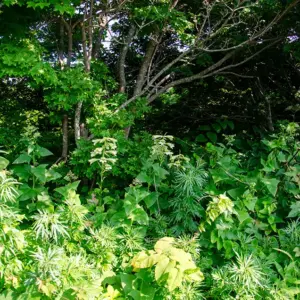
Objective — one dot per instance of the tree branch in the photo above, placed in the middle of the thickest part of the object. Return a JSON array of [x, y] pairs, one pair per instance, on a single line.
[[122, 58]]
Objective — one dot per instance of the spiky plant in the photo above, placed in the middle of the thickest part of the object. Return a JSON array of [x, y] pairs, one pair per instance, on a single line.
[[49, 225], [8, 188], [247, 272], [190, 181]]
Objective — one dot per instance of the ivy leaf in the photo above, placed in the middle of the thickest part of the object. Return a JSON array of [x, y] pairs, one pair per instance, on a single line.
[[271, 184]]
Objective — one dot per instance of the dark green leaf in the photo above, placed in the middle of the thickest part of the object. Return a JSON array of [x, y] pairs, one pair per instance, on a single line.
[[212, 136]]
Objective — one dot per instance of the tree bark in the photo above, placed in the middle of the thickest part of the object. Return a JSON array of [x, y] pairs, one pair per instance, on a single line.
[[87, 55], [77, 121], [64, 154], [269, 114], [150, 51], [122, 58]]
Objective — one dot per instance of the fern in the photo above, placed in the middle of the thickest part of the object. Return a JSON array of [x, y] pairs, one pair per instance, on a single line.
[[190, 181]]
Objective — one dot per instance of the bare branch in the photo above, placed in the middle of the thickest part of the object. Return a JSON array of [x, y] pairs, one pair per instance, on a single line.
[[236, 74]]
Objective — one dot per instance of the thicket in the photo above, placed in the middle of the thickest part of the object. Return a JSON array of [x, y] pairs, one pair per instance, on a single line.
[[149, 150]]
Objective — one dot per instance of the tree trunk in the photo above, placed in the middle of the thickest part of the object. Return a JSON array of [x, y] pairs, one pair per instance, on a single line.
[[77, 121], [150, 51], [64, 154], [269, 115]]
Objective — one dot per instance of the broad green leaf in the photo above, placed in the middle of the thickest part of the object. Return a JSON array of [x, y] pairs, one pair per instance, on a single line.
[[216, 127], [27, 192], [295, 210], [139, 215], [204, 127], [3, 163], [52, 175], [230, 124], [159, 171], [127, 282], [147, 291], [64, 190], [151, 199], [22, 171], [236, 193], [271, 184], [41, 151], [23, 158], [201, 138], [212, 136], [143, 177], [243, 215], [40, 172]]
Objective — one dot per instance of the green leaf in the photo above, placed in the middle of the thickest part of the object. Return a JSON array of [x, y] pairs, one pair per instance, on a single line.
[[159, 171], [204, 127], [212, 136], [243, 216], [127, 282], [139, 215], [235, 194], [27, 192], [3, 163], [216, 127], [64, 190], [151, 199], [230, 124], [23, 158], [295, 210], [22, 171], [40, 172], [43, 152], [271, 184], [52, 175], [201, 138], [143, 177]]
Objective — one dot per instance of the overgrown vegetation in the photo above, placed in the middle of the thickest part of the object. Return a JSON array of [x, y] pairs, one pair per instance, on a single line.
[[145, 153]]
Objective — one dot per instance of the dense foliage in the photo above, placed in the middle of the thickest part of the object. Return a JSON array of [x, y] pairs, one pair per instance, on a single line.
[[149, 149]]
